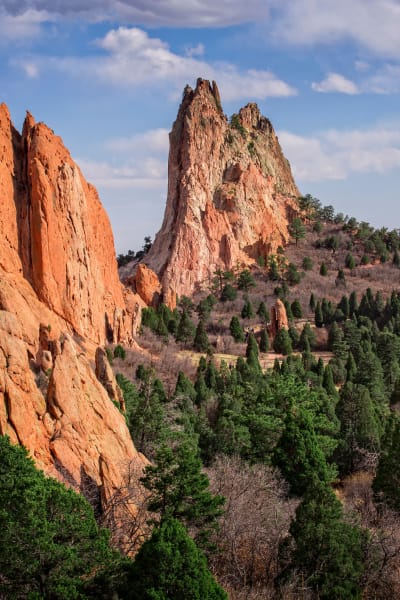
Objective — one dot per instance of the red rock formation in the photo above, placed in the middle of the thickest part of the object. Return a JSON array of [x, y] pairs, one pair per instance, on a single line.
[[279, 318], [230, 193], [147, 285], [60, 296]]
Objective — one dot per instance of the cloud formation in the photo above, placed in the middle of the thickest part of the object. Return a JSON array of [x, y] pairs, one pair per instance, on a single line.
[[372, 24], [335, 83], [335, 154], [176, 13], [22, 26], [131, 58]]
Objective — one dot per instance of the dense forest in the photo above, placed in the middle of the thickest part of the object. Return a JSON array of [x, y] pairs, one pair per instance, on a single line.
[[274, 454]]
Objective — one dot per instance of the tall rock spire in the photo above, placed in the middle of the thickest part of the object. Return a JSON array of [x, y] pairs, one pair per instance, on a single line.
[[230, 193]]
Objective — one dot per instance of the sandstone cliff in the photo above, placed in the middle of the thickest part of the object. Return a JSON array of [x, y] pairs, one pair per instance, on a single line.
[[60, 297], [230, 193]]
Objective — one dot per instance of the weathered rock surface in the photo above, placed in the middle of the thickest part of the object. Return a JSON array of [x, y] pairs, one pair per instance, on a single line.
[[230, 193], [279, 318], [147, 285], [60, 297]]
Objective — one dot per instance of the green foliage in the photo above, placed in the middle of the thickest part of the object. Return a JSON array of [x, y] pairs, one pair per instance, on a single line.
[[50, 545], [312, 302], [263, 312], [319, 317], [169, 566], [186, 328], [264, 341], [236, 123], [328, 552], [292, 275], [201, 343], [323, 270], [247, 310], [228, 293], [236, 329], [307, 337], [307, 263], [110, 356], [298, 453], [273, 271], [296, 309], [350, 262], [282, 342], [386, 483], [179, 489], [297, 230], [119, 352], [205, 307], [246, 281]]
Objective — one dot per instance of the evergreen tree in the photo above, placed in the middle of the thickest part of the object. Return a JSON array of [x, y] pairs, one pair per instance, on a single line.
[[246, 280], [350, 262], [298, 454], [307, 336], [184, 387], [307, 263], [264, 341], [236, 329], [247, 310], [386, 484], [228, 293], [169, 566], [179, 489], [319, 318], [328, 552], [297, 229], [296, 309], [263, 312], [312, 303], [186, 329], [282, 342], [201, 343], [323, 270], [353, 304], [50, 545]]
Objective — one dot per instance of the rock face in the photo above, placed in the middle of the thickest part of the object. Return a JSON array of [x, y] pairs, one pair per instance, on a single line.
[[57, 234], [230, 193], [279, 318], [60, 297], [147, 285]]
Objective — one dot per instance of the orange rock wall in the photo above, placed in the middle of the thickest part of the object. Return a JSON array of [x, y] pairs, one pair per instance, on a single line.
[[60, 297]]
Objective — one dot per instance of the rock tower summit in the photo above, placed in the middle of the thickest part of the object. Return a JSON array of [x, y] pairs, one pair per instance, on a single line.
[[230, 193]]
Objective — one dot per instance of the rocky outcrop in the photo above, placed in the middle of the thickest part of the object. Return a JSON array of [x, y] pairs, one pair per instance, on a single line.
[[279, 319], [230, 193], [147, 285], [60, 297], [57, 234]]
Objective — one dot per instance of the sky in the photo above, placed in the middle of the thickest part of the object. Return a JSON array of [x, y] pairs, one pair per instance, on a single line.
[[108, 75]]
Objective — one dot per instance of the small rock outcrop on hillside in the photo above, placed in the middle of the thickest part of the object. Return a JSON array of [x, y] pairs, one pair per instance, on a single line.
[[60, 297], [230, 193]]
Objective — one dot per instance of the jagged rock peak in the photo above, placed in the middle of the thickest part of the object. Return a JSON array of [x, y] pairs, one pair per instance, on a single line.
[[230, 193]]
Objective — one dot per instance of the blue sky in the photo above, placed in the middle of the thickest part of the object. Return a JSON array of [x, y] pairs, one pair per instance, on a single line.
[[108, 77]]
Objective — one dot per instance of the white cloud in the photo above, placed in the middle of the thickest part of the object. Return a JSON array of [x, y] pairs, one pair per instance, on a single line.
[[385, 80], [31, 69], [372, 24], [336, 83], [20, 27], [154, 141], [131, 58], [335, 154], [177, 13]]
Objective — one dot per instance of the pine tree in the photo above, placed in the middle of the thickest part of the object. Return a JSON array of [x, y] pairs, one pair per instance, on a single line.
[[297, 229], [319, 318], [323, 270], [246, 280], [328, 552], [263, 312], [312, 303], [296, 309], [386, 484], [180, 490], [170, 566], [264, 341], [298, 454], [282, 342], [247, 310], [307, 336], [201, 343], [186, 329], [236, 329]]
